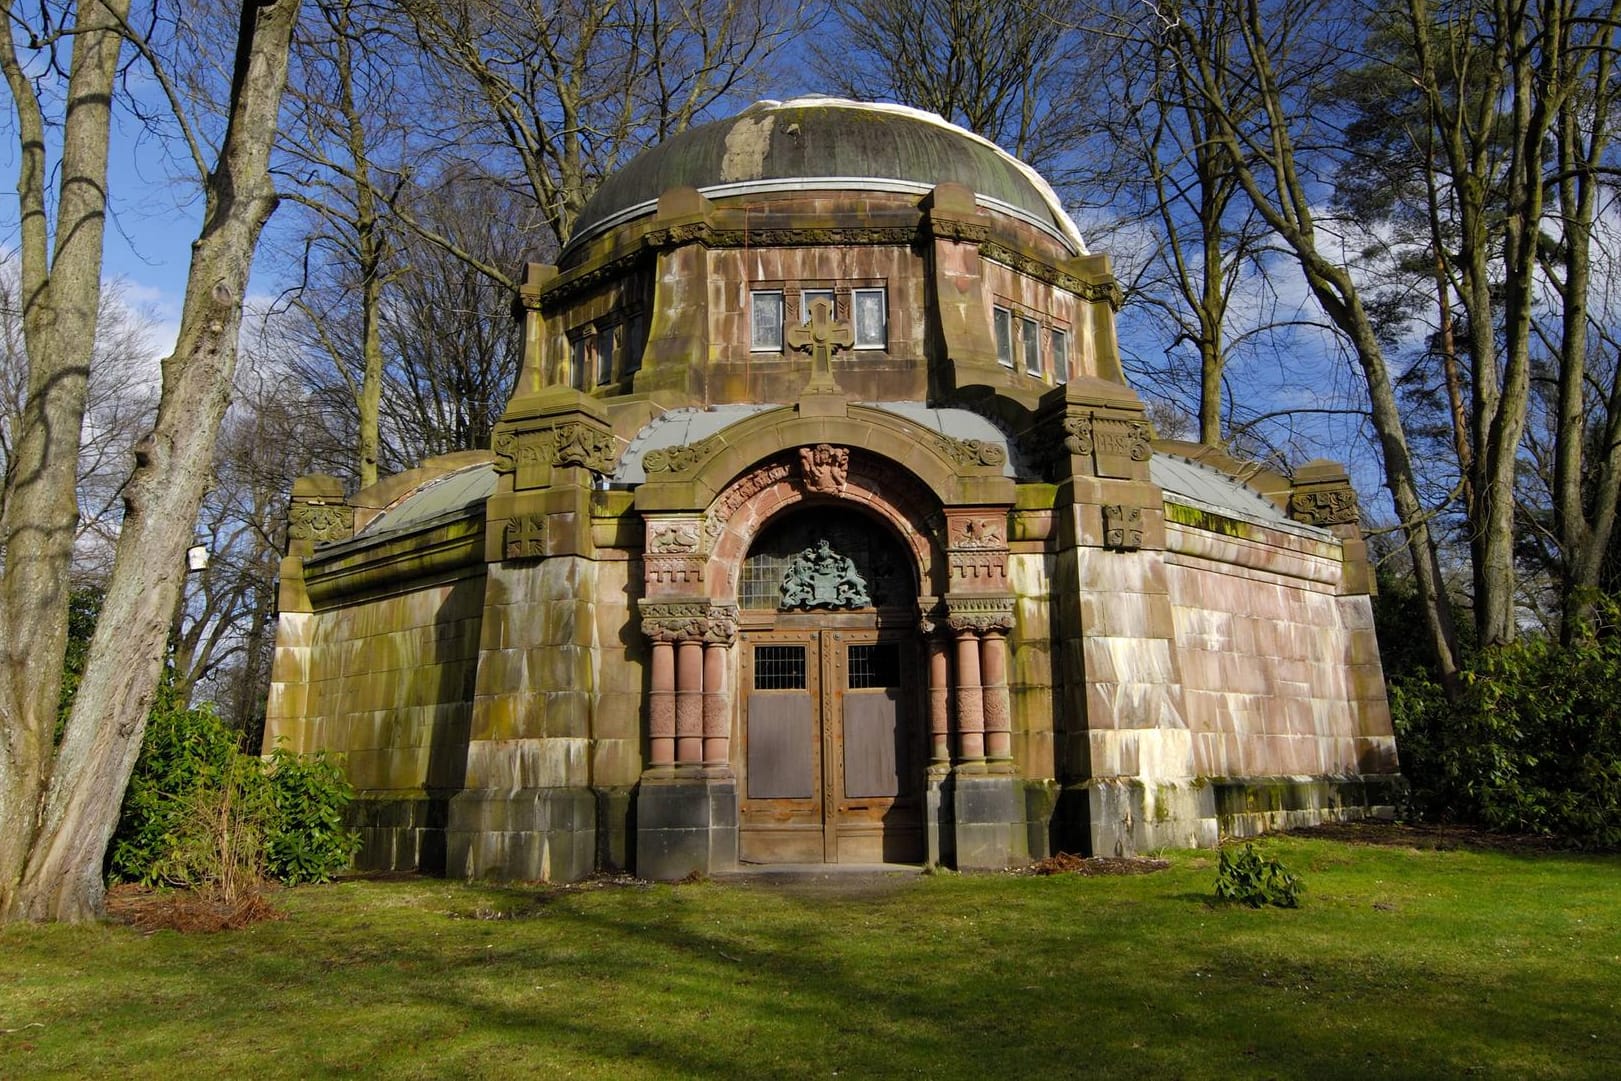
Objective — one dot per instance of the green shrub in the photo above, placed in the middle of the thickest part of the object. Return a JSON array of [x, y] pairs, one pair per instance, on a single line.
[[199, 813], [1532, 745], [308, 841], [1245, 877]]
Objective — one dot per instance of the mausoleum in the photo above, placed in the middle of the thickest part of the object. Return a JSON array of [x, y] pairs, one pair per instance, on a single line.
[[822, 526]]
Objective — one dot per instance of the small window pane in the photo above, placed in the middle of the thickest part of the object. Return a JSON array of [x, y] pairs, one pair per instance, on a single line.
[[765, 314], [1002, 319], [633, 344], [605, 356], [1061, 355], [872, 330], [577, 364], [810, 297], [1030, 332], [779, 668], [875, 665]]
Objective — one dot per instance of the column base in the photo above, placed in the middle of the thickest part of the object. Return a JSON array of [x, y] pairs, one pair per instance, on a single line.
[[685, 825], [522, 835], [988, 822]]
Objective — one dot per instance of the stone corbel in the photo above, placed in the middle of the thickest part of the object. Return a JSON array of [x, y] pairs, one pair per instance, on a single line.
[[557, 430], [1322, 495], [1093, 428]]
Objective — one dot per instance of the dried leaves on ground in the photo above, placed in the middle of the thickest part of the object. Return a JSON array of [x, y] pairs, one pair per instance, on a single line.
[[187, 911], [1065, 863]]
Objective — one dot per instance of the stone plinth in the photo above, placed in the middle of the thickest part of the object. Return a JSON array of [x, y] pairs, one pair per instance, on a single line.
[[685, 826]]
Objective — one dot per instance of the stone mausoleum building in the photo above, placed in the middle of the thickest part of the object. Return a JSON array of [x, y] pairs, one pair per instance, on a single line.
[[823, 526]]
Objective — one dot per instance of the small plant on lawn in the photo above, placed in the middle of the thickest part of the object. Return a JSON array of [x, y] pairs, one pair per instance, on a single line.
[[1246, 877]]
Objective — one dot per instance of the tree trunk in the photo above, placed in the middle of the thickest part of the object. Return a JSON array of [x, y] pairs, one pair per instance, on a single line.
[[63, 880], [60, 294]]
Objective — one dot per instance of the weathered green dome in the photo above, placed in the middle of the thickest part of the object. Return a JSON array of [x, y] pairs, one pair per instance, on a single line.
[[825, 143]]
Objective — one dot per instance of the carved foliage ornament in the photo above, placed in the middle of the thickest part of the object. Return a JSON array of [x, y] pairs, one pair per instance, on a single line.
[[675, 622], [319, 521], [988, 615], [679, 459], [967, 453], [570, 443], [1325, 506]]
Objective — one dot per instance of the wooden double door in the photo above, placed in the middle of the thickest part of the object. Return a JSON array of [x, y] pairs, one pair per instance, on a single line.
[[832, 754]]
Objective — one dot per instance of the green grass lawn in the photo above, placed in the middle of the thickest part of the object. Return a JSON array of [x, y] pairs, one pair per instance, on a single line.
[[1401, 963]]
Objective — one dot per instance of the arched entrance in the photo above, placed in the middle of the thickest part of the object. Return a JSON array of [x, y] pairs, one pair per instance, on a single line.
[[831, 750]]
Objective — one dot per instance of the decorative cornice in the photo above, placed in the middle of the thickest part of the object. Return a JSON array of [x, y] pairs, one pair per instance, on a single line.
[[565, 288], [787, 237], [1108, 292]]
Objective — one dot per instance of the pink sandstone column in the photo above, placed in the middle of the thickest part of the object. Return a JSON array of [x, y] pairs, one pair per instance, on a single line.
[[970, 699], [661, 705], [998, 719], [939, 702], [717, 705], [689, 702]]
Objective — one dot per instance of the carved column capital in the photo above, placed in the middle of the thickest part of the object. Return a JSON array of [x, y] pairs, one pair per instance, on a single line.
[[980, 615]]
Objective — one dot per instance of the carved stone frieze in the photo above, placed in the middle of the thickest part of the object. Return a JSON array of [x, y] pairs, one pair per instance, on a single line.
[[962, 231], [564, 288], [1108, 292], [533, 452], [675, 621], [711, 237], [1115, 442], [825, 468], [669, 571], [1324, 506], [672, 538], [981, 568], [979, 533], [1122, 527]]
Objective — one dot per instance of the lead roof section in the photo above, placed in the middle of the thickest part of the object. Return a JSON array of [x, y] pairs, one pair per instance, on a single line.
[[841, 144]]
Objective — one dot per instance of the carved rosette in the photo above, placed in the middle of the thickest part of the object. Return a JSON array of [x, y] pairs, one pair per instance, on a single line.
[[1122, 527], [312, 522], [980, 615], [824, 468], [1325, 506]]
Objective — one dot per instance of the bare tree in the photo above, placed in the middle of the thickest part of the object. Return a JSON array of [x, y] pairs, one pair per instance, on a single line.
[[58, 806], [567, 92]]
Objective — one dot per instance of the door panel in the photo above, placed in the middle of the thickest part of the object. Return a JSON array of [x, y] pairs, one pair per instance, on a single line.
[[830, 772]]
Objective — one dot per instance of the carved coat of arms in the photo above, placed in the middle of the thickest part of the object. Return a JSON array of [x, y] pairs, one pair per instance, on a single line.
[[822, 578]]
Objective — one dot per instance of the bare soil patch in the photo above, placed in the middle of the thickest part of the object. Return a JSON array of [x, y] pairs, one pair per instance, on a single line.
[[1432, 837], [187, 911], [1065, 863]]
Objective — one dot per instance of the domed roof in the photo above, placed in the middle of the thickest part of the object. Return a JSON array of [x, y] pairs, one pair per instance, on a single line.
[[817, 143]]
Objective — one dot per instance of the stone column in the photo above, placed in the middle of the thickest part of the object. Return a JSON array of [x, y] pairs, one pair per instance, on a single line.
[[939, 702], [661, 705], [719, 632], [998, 709], [689, 702], [970, 698]]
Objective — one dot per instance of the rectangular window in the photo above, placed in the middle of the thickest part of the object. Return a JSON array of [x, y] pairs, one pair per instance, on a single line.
[[1030, 343], [871, 318], [1061, 355], [779, 668], [765, 320], [605, 356], [633, 344], [1002, 322], [577, 363], [809, 297]]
